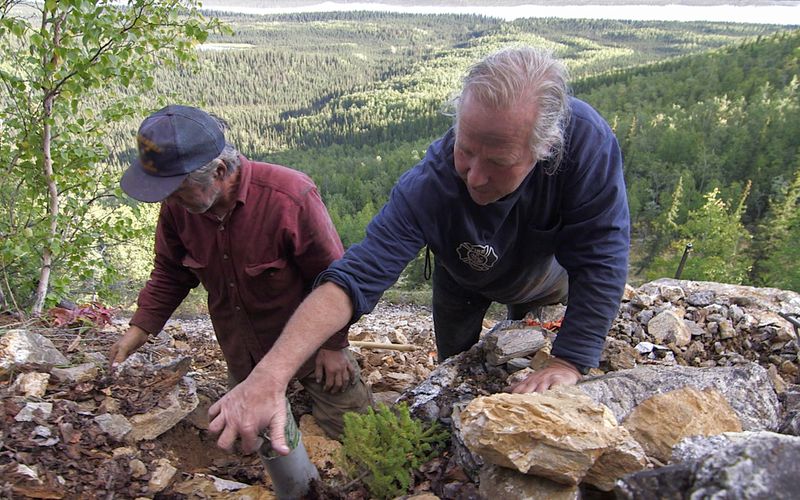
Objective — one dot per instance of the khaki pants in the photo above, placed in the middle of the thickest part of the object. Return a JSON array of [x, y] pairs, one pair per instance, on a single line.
[[329, 408]]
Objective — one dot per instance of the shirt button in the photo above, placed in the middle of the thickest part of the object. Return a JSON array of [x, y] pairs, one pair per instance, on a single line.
[[231, 284], [222, 227], [225, 256], [238, 308]]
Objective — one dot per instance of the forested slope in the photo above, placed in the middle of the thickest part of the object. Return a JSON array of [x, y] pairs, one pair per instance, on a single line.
[[354, 99]]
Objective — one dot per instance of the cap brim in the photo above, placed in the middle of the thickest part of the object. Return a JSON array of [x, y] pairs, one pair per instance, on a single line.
[[142, 186]]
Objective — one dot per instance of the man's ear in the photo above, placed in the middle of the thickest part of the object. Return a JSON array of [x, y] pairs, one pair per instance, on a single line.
[[221, 170]]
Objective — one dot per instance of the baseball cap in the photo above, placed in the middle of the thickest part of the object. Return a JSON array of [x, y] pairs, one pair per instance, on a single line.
[[173, 142]]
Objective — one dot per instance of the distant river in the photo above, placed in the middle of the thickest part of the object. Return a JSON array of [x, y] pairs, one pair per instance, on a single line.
[[763, 14]]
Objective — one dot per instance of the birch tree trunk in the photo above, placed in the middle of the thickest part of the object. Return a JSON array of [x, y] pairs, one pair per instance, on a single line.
[[47, 171]]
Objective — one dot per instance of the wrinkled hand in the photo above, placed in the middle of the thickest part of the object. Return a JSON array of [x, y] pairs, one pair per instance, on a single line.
[[244, 411], [133, 339], [557, 372], [334, 368]]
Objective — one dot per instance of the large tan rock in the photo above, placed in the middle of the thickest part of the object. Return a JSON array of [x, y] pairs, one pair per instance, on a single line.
[[558, 434], [661, 421]]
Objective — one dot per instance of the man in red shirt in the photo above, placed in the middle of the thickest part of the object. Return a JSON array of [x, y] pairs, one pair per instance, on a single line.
[[255, 235]]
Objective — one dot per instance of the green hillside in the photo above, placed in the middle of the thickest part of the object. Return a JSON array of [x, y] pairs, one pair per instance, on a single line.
[[706, 114], [708, 104]]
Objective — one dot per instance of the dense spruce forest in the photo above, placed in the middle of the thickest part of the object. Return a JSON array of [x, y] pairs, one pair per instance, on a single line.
[[706, 113]]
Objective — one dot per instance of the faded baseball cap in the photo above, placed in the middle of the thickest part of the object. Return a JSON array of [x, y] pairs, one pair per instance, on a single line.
[[173, 142]]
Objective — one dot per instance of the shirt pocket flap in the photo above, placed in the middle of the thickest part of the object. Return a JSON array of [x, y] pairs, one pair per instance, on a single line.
[[268, 268], [191, 263]]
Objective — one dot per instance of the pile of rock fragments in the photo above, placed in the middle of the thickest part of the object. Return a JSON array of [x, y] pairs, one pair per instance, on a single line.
[[696, 395]]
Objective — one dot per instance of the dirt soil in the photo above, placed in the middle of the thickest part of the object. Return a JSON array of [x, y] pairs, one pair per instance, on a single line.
[[84, 462]]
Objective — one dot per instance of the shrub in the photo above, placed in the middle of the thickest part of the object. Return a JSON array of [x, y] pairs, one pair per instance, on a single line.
[[383, 447]]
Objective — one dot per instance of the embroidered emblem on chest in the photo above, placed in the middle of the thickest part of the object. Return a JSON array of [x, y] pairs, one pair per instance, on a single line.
[[478, 257]]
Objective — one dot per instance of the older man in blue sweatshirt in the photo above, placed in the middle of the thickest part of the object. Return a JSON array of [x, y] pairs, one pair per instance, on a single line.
[[522, 202]]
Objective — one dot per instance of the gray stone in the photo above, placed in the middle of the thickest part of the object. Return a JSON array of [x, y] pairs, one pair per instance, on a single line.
[[763, 465], [31, 411], [471, 463], [434, 397], [502, 345], [517, 364], [733, 465], [701, 298], [791, 424], [645, 316], [726, 330], [695, 329], [77, 374], [746, 387], [642, 300], [672, 293], [171, 409], [696, 448], [665, 483], [501, 482], [114, 425], [668, 327], [553, 312], [22, 349]]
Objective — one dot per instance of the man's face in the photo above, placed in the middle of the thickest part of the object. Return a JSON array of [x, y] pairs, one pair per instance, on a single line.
[[195, 197], [492, 151]]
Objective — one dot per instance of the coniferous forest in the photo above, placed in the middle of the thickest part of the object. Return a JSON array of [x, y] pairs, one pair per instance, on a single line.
[[706, 113]]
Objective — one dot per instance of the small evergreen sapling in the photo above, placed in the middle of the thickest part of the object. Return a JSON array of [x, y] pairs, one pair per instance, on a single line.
[[383, 447]]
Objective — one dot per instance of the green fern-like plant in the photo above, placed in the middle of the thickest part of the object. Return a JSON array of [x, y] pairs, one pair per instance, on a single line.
[[382, 447]]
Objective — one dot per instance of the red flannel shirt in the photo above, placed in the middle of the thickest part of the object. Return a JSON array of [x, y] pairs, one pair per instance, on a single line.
[[257, 265]]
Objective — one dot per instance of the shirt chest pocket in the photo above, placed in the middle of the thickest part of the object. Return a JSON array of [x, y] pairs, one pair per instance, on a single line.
[[270, 279], [542, 241]]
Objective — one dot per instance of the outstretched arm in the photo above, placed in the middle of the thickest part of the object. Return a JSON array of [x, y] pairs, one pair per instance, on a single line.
[[260, 401]]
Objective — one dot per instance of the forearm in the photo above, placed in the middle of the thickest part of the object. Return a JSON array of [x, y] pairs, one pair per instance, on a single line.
[[325, 311]]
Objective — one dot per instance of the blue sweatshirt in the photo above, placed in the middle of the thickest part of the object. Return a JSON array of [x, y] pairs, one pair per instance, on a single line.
[[576, 218]]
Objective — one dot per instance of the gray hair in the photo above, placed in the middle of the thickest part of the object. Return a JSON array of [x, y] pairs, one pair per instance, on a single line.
[[204, 174], [501, 79]]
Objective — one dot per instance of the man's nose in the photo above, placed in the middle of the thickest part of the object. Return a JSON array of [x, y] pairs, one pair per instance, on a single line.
[[476, 175]]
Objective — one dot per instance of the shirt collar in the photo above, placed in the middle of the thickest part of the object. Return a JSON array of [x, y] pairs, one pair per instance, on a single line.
[[245, 174]]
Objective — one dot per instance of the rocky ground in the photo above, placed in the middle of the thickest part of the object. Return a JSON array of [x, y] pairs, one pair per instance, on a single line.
[[67, 455], [60, 438]]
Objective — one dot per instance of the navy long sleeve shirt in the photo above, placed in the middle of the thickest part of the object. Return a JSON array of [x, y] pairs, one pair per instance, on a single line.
[[505, 250]]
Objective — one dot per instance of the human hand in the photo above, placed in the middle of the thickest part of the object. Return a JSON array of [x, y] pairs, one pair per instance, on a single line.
[[133, 339], [247, 409], [557, 372], [335, 368]]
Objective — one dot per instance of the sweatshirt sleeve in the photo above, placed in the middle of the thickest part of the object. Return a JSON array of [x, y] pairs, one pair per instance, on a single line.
[[593, 244], [170, 281]]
